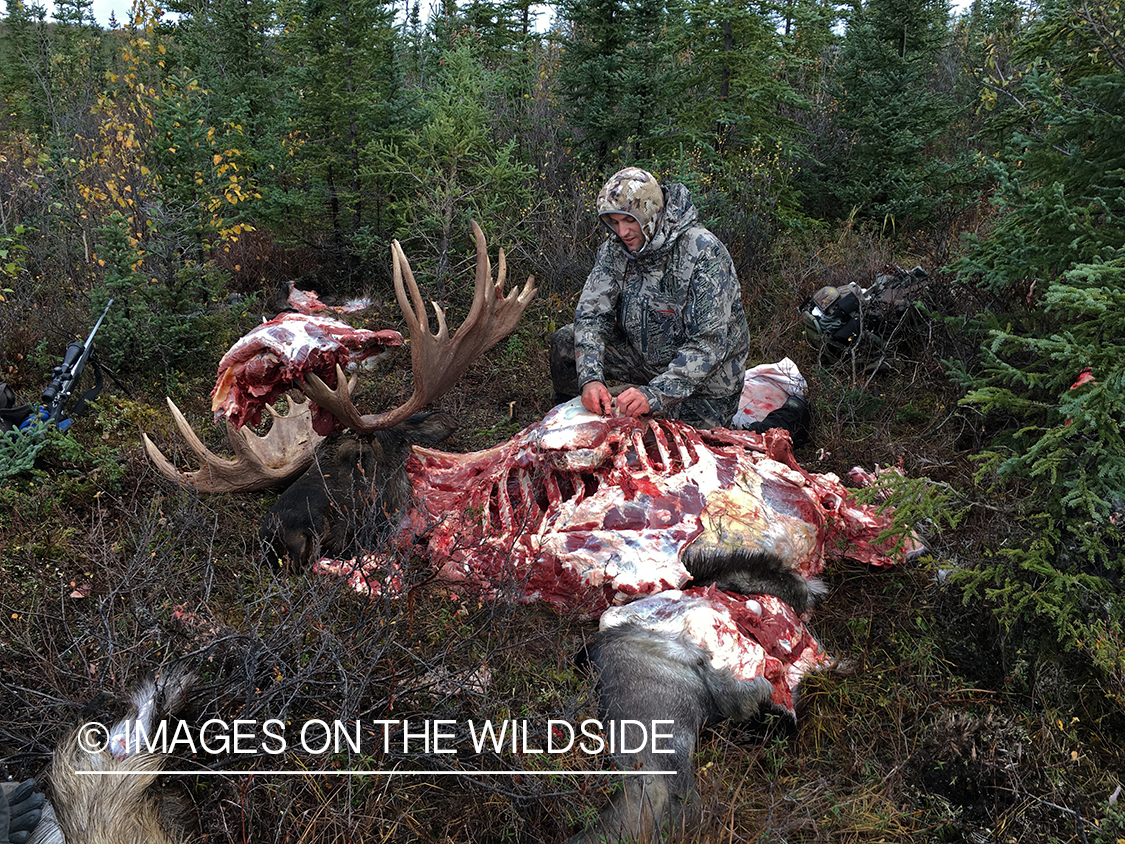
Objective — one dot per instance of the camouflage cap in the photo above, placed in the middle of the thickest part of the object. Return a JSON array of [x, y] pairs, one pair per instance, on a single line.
[[635, 192]]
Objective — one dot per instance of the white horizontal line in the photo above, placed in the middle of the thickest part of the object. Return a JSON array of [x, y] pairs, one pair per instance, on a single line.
[[378, 773]]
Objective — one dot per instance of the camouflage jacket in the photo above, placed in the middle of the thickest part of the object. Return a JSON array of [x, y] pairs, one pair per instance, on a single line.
[[678, 302]]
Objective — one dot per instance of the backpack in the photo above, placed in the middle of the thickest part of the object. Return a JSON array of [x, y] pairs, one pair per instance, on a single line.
[[12, 414]]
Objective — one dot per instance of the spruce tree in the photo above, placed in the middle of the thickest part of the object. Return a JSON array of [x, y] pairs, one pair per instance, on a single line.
[[229, 47], [345, 90], [889, 106], [453, 168], [619, 77], [736, 88], [18, 68], [1052, 372]]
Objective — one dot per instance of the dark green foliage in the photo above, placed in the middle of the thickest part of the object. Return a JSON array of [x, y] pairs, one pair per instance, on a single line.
[[155, 323], [1065, 453], [452, 169], [345, 90], [19, 449], [736, 92], [892, 167], [228, 46], [915, 502], [504, 26], [17, 67], [50, 71], [619, 76], [1054, 378], [1061, 182]]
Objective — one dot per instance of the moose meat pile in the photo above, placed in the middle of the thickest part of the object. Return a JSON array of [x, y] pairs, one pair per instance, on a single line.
[[308, 302], [276, 355]]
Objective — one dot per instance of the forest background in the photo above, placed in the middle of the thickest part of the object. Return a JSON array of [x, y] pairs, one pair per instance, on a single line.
[[189, 165]]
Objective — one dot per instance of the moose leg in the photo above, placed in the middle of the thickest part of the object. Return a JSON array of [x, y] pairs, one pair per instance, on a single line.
[[646, 675], [754, 573]]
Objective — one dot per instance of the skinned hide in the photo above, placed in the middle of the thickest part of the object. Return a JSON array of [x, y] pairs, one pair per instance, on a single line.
[[92, 801], [690, 658]]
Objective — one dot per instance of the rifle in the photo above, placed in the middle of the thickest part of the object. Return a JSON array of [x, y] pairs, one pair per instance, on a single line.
[[57, 394]]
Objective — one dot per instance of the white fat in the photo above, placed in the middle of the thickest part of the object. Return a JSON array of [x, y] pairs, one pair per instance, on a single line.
[[706, 623]]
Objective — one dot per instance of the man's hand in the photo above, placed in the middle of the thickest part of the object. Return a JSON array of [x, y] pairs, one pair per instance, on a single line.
[[632, 402], [21, 807], [596, 398]]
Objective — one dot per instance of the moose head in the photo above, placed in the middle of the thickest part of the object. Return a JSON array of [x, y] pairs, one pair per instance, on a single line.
[[349, 474]]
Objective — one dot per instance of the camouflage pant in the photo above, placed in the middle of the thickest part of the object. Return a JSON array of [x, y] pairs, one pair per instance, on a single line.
[[622, 363]]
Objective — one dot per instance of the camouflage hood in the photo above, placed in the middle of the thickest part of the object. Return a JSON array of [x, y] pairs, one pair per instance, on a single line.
[[679, 216], [663, 213], [635, 193]]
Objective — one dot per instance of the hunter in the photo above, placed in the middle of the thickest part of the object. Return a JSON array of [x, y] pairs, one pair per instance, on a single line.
[[661, 310]]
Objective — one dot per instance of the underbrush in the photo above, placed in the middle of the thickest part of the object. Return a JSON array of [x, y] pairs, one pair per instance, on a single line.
[[936, 725]]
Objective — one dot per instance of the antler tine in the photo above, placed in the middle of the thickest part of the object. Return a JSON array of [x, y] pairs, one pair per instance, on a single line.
[[260, 462], [337, 401], [505, 313], [484, 294], [415, 316], [436, 360]]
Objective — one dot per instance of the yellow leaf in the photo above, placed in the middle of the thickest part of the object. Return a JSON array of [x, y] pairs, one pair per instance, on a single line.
[[217, 159]]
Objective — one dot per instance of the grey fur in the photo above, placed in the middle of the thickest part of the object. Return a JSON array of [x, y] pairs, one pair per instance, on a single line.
[[755, 573], [646, 675], [356, 485]]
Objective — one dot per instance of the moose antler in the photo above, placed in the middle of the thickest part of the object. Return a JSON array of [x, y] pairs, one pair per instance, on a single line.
[[285, 451], [436, 360]]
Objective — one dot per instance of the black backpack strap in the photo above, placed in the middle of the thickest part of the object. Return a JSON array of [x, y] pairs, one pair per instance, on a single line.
[[11, 412]]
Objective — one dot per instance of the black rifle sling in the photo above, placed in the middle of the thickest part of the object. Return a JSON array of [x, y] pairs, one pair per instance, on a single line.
[[92, 393]]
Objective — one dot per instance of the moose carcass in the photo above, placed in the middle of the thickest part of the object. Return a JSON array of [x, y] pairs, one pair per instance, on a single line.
[[100, 779], [582, 510], [590, 512]]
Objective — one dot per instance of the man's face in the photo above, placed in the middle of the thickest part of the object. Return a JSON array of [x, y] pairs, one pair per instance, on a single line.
[[628, 229]]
